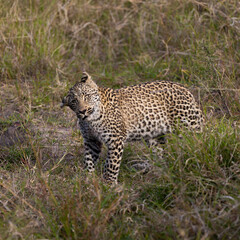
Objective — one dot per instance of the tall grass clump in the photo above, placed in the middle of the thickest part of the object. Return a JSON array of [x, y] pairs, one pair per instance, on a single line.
[[198, 177]]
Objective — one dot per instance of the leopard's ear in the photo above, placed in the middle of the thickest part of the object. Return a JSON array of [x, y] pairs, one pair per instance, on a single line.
[[85, 77]]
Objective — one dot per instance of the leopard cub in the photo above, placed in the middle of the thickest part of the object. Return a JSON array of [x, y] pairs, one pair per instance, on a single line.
[[116, 116]]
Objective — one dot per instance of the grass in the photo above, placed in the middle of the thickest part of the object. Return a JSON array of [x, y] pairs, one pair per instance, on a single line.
[[191, 192]]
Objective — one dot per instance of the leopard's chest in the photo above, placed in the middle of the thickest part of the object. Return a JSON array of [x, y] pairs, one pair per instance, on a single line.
[[100, 129]]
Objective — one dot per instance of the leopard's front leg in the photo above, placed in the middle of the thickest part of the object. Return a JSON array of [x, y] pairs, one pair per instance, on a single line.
[[114, 156], [91, 155]]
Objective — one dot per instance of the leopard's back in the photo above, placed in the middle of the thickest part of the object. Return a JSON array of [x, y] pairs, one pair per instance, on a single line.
[[153, 109]]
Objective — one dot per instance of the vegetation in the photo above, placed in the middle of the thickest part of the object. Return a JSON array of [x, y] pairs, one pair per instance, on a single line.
[[193, 189]]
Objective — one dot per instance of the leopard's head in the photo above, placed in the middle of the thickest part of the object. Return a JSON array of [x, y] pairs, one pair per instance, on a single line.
[[83, 97]]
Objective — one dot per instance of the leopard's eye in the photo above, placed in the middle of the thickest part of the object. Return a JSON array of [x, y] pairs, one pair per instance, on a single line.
[[87, 96]]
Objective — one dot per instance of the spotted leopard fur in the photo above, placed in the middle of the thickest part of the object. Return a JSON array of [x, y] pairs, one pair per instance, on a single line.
[[114, 117]]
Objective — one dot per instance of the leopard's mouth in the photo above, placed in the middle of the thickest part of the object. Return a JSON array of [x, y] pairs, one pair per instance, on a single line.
[[82, 116]]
